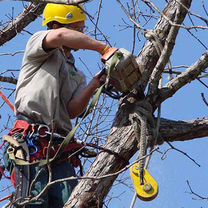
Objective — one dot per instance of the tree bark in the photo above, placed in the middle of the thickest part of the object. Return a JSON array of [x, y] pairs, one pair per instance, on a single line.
[[91, 193], [183, 130]]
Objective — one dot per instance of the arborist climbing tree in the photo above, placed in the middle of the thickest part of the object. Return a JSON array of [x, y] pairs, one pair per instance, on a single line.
[[41, 148]]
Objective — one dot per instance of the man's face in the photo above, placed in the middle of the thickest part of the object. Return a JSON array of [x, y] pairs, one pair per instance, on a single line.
[[78, 26]]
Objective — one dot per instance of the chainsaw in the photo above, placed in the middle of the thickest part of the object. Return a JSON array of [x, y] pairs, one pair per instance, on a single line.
[[122, 70]]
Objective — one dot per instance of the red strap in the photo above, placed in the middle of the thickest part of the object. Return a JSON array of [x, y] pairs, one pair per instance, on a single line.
[[2, 173], [5, 198], [7, 101], [72, 147], [14, 178], [20, 126]]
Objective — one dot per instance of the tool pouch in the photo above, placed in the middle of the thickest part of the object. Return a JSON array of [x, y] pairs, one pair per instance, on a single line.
[[125, 74]]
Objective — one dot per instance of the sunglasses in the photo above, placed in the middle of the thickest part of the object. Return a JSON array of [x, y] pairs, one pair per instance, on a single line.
[[82, 29]]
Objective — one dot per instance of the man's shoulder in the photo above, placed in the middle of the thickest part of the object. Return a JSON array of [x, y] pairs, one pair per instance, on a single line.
[[36, 35]]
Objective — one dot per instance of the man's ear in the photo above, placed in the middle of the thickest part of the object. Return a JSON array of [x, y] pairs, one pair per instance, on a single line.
[[55, 26]]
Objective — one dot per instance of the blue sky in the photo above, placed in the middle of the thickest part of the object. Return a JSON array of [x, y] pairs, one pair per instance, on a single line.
[[187, 104]]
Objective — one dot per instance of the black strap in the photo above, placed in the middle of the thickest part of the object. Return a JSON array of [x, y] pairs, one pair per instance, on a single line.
[[24, 118]]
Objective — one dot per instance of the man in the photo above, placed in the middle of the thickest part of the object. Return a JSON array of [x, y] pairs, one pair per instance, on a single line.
[[51, 91]]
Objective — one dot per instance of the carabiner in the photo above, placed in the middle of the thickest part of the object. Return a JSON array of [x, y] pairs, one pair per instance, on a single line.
[[43, 130], [33, 149]]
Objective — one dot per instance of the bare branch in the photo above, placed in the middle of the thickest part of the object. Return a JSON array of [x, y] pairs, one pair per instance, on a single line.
[[195, 194], [178, 150], [70, 2], [193, 14], [24, 19], [93, 178], [10, 80], [11, 54], [204, 99], [149, 56], [164, 57], [184, 78], [169, 20], [128, 15]]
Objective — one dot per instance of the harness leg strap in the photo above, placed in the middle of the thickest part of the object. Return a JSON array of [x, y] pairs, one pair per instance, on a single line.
[[21, 172], [22, 187]]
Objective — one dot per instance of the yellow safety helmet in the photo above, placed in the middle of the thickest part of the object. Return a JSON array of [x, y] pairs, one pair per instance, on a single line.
[[64, 14]]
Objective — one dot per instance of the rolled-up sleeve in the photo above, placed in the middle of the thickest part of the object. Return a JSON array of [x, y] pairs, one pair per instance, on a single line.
[[34, 46]]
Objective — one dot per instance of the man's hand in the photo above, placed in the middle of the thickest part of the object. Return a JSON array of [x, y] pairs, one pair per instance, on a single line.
[[108, 53], [78, 104], [98, 79]]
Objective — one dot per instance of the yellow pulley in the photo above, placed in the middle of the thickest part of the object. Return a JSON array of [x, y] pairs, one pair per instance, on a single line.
[[147, 191]]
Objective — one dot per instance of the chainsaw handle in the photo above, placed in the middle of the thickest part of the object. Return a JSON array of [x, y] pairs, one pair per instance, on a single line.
[[113, 94], [102, 72]]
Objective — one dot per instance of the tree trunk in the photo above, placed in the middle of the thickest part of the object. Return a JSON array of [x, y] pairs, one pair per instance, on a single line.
[[91, 193]]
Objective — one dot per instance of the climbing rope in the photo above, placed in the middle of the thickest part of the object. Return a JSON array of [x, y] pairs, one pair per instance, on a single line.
[[154, 39], [136, 118], [143, 117]]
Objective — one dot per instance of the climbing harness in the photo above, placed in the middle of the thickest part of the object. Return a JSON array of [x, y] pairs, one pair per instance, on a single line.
[[123, 72], [29, 143]]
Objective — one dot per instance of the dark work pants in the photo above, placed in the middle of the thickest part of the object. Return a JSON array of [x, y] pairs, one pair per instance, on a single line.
[[58, 194]]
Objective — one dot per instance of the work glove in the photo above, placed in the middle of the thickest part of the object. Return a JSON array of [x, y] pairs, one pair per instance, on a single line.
[[108, 53]]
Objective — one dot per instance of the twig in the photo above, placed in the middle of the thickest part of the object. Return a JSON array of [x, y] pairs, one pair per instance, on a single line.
[[184, 153], [195, 194], [10, 80], [204, 99]]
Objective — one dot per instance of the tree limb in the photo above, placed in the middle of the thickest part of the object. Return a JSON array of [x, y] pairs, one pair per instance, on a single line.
[[164, 57], [17, 25], [70, 2], [183, 130], [181, 80], [10, 80], [148, 57]]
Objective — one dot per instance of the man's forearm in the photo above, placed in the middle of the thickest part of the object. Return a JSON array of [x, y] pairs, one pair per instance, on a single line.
[[78, 104], [72, 39]]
